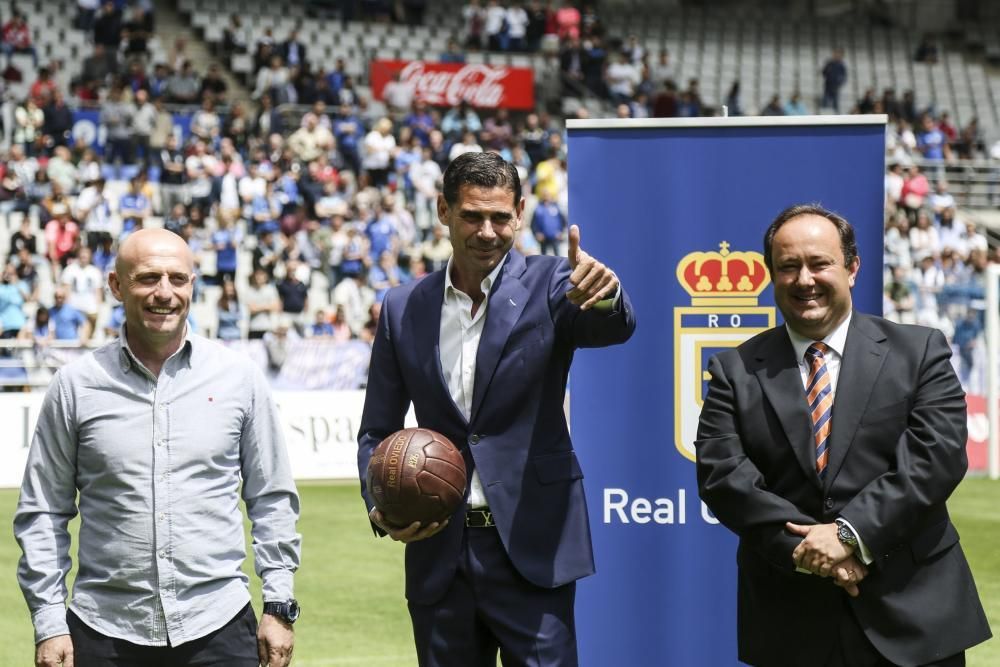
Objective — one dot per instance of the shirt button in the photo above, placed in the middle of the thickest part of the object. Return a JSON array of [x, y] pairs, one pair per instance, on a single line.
[[160, 443], [474, 439], [163, 554], [829, 503], [162, 516]]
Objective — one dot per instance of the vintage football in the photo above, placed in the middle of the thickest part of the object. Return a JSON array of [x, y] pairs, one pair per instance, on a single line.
[[416, 475]]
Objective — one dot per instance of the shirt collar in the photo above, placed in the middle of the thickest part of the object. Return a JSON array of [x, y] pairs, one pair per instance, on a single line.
[[128, 360], [835, 340], [485, 286]]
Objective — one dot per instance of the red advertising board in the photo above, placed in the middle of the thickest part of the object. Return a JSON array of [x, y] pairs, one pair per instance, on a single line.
[[979, 433], [447, 84]]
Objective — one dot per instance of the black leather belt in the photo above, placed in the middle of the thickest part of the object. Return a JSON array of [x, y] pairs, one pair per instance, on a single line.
[[481, 518]]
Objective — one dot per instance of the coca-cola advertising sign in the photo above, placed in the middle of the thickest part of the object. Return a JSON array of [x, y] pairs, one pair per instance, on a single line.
[[979, 433], [448, 84]]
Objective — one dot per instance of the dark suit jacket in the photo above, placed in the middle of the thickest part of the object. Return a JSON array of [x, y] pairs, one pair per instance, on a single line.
[[286, 47], [897, 453], [517, 436]]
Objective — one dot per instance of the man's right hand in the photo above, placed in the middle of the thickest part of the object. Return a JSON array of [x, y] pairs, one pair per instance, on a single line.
[[54, 652], [848, 574], [410, 533]]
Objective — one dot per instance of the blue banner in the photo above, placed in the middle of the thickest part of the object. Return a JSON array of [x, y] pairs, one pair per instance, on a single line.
[[679, 209], [88, 129]]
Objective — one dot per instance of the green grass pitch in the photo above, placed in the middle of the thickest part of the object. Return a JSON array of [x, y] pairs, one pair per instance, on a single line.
[[351, 584]]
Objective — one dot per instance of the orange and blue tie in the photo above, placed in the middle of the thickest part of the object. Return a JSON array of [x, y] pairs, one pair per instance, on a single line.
[[819, 393]]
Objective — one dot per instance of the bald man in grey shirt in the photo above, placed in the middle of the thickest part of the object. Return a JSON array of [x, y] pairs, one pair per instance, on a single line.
[[156, 431]]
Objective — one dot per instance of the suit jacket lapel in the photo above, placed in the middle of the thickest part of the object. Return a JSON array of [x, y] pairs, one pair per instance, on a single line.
[[423, 322], [506, 303], [781, 381], [864, 354]]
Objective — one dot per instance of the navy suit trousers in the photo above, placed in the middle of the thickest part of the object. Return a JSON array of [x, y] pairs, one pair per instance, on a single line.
[[488, 607]]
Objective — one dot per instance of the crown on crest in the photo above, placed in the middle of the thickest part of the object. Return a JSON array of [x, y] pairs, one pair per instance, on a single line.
[[737, 277]]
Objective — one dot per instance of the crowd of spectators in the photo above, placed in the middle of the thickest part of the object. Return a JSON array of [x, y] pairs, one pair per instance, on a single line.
[[301, 221], [935, 265]]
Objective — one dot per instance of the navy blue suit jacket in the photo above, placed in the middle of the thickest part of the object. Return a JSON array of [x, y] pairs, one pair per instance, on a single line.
[[517, 435]]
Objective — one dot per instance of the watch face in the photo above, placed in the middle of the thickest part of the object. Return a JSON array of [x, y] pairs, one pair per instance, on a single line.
[[293, 610]]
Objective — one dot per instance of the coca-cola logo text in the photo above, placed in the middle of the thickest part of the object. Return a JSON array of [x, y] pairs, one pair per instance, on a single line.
[[479, 85]]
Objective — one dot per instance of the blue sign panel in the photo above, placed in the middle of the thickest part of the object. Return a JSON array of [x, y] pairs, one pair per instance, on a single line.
[[679, 211]]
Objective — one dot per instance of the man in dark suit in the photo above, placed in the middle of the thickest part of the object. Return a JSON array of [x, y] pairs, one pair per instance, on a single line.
[[483, 348], [830, 445], [293, 51]]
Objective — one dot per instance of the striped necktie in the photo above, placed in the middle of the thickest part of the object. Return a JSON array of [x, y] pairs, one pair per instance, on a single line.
[[819, 393]]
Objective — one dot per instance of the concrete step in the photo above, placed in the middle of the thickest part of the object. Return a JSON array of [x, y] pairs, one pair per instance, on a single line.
[[170, 25]]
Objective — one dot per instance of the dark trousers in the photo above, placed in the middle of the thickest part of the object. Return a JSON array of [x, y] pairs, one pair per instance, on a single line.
[[548, 246], [489, 607], [854, 650], [232, 645]]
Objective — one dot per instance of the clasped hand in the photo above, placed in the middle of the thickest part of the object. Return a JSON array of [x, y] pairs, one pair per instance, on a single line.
[[822, 553]]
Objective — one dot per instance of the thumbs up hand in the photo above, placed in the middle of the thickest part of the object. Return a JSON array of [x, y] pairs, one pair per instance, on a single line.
[[592, 281]]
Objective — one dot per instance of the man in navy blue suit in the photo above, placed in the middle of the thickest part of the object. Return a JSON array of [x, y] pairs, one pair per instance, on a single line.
[[482, 349]]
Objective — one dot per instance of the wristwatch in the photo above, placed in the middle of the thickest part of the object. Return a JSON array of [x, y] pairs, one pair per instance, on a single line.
[[846, 535], [287, 611]]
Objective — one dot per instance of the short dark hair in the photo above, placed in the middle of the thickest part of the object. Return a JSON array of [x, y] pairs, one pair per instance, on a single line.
[[848, 243], [485, 170]]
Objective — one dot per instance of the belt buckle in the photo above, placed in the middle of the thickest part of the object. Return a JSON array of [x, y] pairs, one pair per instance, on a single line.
[[479, 519]]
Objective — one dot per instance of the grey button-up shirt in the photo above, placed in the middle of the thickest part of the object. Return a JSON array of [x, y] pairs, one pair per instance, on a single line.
[[158, 464]]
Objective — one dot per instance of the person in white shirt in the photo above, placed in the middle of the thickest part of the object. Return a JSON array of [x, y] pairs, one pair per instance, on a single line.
[[468, 144], [398, 95], [517, 27], [93, 211], [379, 146], [495, 15], [85, 284], [941, 199], [355, 297], [425, 175]]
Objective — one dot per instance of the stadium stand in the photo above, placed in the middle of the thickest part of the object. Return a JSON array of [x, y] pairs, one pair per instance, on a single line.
[[311, 167]]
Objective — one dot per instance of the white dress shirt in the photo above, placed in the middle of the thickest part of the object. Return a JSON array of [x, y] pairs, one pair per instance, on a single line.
[[459, 345], [835, 340]]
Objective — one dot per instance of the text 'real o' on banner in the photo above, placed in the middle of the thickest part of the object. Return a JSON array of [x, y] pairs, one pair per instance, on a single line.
[[678, 208]]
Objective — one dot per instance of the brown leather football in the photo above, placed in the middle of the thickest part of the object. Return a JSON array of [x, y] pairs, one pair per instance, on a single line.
[[416, 475]]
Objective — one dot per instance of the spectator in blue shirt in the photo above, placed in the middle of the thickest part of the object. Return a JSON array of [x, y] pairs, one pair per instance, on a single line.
[[548, 223], [409, 153], [265, 209], [231, 313], [68, 322], [385, 275], [420, 121], [381, 231], [321, 327], [115, 321], [459, 120], [349, 131], [226, 240], [931, 141], [134, 207], [12, 317]]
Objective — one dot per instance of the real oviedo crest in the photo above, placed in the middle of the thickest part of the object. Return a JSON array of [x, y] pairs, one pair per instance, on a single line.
[[725, 287]]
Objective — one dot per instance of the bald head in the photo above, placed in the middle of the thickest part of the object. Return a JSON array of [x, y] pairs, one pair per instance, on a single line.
[[146, 243]]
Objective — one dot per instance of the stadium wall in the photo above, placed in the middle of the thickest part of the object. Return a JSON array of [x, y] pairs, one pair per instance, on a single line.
[[320, 431]]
